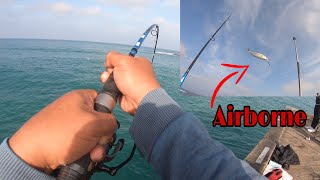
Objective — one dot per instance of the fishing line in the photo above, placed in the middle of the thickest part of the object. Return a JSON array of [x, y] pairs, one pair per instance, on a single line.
[[106, 101]]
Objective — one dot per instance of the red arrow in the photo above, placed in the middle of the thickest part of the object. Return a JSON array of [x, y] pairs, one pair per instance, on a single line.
[[215, 92]]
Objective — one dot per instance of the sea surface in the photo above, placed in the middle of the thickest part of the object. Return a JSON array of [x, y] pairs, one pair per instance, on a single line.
[[34, 73]]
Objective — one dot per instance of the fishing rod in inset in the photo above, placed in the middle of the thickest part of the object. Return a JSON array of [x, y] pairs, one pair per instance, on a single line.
[[106, 101], [298, 65], [196, 58]]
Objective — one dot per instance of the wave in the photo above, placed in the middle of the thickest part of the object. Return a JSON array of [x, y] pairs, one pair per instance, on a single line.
[[167, 53]]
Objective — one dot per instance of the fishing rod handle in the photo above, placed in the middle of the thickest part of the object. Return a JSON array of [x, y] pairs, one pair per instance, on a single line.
[[75, 171], [104, 102], [108, 96]]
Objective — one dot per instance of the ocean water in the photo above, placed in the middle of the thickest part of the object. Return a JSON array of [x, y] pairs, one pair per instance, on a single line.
[[34, 73]]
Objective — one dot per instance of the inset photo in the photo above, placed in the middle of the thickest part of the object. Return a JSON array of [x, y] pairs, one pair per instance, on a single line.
[[249, 48]]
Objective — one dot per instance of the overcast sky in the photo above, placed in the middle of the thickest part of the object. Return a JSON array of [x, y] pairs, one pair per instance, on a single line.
[[264, 26], [96, 20]]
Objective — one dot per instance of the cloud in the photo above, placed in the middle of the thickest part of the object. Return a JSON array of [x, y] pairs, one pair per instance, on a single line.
[[5, 2], [205, 86], [312, 23], [61, 7], [311, 17], [135, 4], [307, 87], [65, 8], [310, 82], [204, 77], [77, 20], [246, 11], [171, 3], [141, 4], [94, 11], [254, 79], [213, 49], [169, 32]]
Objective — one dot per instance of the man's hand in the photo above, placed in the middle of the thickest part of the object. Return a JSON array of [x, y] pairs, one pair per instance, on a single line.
[[134, 77], [63, 132]]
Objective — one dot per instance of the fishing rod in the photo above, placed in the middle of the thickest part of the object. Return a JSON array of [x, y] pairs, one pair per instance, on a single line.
[[298, 65], [196, 58], [106, 101]]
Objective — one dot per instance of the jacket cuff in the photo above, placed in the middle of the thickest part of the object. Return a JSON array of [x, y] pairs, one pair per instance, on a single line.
[[155, 112], [13, 167]]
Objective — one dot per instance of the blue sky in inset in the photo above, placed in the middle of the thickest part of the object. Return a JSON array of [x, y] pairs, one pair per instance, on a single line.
[[97, 20], [264, 26]]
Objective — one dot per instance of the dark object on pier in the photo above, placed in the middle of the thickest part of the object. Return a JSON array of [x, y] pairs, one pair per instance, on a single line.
[[285, 156]]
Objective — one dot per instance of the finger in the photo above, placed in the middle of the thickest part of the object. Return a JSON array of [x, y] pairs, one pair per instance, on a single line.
[[105, 140], [105, 124], [91, 93], [86, 96], [127, 105], [84, 92], [104, 76], [98, 153], [109, 70], [114, 59]]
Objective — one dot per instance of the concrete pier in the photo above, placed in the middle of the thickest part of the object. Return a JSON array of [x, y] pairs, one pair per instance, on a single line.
[[307, 150]]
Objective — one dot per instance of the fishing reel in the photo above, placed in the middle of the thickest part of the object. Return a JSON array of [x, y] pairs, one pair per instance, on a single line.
[[111, 150], [101, 167]]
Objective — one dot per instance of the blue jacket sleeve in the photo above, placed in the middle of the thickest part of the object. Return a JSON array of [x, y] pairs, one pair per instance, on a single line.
[[12, 167], [178, 146]]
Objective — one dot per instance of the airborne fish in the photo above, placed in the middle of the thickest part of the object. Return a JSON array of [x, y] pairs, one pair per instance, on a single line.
[[259, 56]]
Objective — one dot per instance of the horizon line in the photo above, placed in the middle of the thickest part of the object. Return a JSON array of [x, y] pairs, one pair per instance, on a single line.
[[83, 41]]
